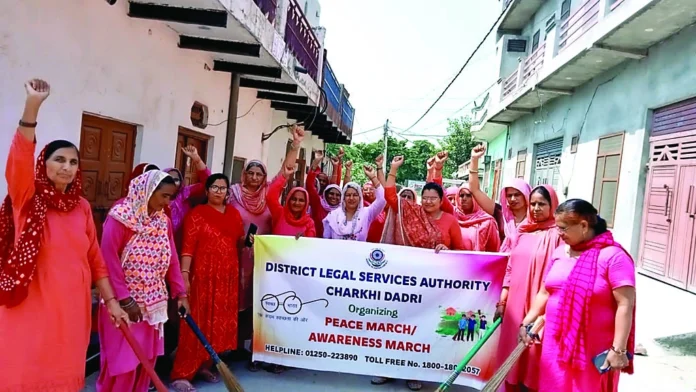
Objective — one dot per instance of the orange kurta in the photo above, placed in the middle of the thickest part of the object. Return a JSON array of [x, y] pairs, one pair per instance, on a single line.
[[210, 238], [44, 339]]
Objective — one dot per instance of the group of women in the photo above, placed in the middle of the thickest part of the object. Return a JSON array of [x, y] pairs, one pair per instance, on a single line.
[[168, 249]]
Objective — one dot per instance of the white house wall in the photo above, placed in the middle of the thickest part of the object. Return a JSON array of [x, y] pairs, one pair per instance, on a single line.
[[100, 61], [253, 119], [623, 102]]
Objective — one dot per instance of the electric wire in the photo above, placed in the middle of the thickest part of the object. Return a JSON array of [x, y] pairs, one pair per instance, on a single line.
[[462, 68]]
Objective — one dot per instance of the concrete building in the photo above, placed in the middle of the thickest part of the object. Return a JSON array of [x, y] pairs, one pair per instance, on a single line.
[[596, 98], [135, 81]]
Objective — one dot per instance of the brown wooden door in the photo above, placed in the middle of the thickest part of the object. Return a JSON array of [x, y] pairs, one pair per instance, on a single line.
[[188, 137], [106, 151], [496, 179]]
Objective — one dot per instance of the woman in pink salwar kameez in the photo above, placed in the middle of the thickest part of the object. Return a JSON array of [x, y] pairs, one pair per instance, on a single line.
[[537, 239], [588, 298], [249, 198], [512, 202], [139, 251]]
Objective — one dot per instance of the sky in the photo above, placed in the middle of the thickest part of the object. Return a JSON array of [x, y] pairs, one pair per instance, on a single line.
[[396, 56]]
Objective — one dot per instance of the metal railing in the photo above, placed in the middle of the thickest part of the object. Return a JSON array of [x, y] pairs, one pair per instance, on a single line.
[[579, 23], [510, 84], [533, 63], [301, 39], [339, 109]]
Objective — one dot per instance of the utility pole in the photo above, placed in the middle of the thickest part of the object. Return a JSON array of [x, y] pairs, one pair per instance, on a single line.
[[386, 139]]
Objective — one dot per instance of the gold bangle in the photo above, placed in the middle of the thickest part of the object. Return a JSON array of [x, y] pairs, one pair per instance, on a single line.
[[473, 171], [185, 271]]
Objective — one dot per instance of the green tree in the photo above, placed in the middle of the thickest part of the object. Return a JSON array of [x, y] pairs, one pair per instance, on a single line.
[[458, 142], [415, 155]]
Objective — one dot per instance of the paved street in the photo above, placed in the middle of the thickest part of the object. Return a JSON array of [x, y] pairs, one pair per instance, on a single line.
[[662, 312]]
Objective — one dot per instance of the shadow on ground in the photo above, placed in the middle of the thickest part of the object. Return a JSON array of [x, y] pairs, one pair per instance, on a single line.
[[684, 344]]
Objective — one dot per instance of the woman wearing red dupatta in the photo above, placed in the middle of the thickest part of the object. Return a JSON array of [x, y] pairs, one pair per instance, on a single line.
[[479, 230], [291, 219], [588, 299], [213, 236], [46, 224], [529, 259], [419, 226]]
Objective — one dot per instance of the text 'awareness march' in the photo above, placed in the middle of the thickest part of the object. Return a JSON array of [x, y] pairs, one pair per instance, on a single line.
[[374, 309]]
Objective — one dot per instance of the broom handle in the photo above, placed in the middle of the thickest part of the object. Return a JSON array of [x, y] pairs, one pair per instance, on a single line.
[[143, 358], [465, 361], [199, 334]]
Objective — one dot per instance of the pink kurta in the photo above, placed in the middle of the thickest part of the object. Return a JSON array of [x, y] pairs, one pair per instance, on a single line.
[[45, 338], [524, 279], [120, 368], [615, 269], [246, 263]]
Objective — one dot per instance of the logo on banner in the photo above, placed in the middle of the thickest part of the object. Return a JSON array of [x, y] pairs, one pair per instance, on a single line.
[[377, 259]]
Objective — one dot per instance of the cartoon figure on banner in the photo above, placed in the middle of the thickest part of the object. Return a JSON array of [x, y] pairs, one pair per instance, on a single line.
[[377, 259], [292, 305]]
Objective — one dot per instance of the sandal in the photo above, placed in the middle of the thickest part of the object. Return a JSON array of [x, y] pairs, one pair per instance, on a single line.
[[414, 385], [254, 366], [208, 376], [152, 388], [183, 386], [380, 380], [277, 369]]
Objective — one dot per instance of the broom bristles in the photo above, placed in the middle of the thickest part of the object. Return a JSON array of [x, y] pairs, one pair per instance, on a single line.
[[501, 374], [228, 378]]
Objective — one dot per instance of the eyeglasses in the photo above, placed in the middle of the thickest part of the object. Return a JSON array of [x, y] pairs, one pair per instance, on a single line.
[[218, 188], [430, 198], [564, 229]]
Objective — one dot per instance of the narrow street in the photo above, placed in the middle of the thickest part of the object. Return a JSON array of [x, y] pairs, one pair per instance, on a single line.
[[663, 370]]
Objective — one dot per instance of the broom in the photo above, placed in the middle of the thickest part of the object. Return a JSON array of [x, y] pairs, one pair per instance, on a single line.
[[159, 385], [499, 377], [445, 385], [228, 378]]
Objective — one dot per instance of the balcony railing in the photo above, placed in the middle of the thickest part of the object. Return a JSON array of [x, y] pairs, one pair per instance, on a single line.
[[533, 63], [339, 109], [268, 7], [510, 84], [579, 23], [616, 4], [347, 115], [301, 39]]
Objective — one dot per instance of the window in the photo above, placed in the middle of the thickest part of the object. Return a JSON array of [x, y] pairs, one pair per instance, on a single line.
[[237, 170], [547, 163], [517, 45], [550, 24], [606, 183], [535, 41], [565, 10], [574, 144], [521, 161]]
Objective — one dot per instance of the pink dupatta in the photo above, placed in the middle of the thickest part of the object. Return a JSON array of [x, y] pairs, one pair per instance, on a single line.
[[484, 224], [510, 228], [575, 305]]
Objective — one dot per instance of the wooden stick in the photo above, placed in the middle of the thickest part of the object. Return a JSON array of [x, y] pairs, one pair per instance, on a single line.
[[142, 358], [501, 374], [228, 378]]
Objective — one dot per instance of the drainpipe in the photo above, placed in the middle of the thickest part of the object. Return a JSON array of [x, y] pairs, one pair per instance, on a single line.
[[231, 133]]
